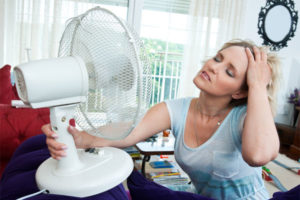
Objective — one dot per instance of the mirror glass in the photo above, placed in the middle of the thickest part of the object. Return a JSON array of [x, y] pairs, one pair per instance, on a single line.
[[278, 23]]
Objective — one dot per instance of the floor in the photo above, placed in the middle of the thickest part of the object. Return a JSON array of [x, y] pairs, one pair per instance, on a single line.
[[289, 179]]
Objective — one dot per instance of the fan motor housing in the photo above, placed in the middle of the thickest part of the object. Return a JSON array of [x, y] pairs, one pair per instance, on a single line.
[[52, 82]]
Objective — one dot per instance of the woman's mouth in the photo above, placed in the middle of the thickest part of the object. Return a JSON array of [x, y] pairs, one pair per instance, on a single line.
[[204, 75]]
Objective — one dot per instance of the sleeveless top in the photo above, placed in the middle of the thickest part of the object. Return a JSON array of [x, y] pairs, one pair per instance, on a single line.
[[216, 167]]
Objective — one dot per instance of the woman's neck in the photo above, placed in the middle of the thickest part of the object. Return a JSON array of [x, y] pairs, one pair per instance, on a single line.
[[211, 105]]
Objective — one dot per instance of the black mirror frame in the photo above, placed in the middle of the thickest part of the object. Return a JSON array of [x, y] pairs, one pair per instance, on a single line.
[[289, 4]]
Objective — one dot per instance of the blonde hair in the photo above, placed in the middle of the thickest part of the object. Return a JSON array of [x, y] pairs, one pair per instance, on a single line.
[[274, 63]]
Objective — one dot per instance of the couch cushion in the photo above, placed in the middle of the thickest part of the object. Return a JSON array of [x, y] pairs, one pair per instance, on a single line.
[[6, 92], [17, 125]]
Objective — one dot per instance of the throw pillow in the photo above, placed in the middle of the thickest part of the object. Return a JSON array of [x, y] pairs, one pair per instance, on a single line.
[[8, 92], [5, 83]]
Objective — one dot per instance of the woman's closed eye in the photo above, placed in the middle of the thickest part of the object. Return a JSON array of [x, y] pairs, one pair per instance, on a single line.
[[229, 73], [229, 70], [217, 59]]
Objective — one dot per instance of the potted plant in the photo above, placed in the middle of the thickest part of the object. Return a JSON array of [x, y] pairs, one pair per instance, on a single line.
[[294, 98]]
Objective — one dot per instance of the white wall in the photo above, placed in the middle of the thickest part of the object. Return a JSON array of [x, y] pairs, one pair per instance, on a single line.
[[1, 32], [6, 34], [290, 57]]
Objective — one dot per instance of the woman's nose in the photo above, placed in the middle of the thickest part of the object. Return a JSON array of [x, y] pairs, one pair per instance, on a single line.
[[213, 67]]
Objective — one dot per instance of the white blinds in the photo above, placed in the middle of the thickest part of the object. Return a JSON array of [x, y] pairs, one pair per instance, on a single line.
[[174, 6]]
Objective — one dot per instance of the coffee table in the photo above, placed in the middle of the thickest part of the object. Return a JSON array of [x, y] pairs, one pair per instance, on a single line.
[[157, 146]]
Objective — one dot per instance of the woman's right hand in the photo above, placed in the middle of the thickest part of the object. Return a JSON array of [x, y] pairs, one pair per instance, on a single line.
[[57, 149]]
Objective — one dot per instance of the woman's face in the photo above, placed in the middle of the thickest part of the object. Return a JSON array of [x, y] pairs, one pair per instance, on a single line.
[[224, 74]]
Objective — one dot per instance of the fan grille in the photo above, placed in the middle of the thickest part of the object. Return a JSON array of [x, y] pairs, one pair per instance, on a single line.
[[119, 73]]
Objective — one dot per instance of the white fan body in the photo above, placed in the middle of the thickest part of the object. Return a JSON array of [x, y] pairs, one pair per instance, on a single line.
[[61, 84], [102, 79], [52, 82], [96, 174]]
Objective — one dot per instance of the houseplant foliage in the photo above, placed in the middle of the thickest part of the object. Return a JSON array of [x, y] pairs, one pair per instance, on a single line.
[[294, 98]]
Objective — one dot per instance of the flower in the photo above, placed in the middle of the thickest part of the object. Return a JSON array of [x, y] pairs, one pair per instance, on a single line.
[[294, 97]]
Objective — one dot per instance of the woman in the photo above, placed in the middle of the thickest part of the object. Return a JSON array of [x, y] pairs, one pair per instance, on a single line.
[[224, 135]]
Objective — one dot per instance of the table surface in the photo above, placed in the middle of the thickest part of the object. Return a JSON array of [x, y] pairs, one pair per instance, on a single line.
[[162, 145]]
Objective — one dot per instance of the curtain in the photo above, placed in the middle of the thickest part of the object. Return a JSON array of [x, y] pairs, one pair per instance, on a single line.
[[211, 23], [33, 28], [37, 27]]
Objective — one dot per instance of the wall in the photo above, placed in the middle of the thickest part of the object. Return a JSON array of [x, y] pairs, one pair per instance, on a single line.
[[7, 10], [1, 32], [290, 57]]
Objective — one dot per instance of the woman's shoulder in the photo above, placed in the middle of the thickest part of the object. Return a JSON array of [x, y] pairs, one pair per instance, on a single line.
[[176, 106], [180, 100]]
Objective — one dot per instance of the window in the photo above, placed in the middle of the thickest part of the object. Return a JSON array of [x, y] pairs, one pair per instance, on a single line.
[[164, 32], [163, 28]]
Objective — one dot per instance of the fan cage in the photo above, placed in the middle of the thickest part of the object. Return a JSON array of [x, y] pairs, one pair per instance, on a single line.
[[118, 69]]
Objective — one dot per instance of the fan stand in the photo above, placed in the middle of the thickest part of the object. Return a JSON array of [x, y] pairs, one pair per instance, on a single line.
[[81, 173]]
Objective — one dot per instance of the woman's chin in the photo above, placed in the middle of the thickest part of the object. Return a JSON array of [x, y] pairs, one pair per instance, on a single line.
[[198, 83]]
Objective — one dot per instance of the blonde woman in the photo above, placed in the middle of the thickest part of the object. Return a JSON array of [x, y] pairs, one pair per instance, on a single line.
[[224, 135]]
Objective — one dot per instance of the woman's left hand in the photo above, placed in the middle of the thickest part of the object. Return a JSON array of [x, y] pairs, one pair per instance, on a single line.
[[258, 72]]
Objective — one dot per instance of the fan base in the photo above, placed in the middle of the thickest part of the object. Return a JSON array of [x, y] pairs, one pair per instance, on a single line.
[[98, 173]]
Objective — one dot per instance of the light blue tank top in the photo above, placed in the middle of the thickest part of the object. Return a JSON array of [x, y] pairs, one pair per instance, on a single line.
[[216, 168]]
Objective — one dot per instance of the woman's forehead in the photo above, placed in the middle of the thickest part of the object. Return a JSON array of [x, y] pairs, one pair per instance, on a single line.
[[237, 56]]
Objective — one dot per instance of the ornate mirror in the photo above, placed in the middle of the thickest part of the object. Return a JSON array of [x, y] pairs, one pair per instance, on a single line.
[[277, 23]]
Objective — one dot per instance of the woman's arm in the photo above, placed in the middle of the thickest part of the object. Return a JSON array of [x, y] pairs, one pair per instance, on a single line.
[[155, 120], [260, 142]]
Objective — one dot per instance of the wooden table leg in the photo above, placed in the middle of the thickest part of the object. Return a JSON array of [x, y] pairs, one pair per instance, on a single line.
[[145, 159]]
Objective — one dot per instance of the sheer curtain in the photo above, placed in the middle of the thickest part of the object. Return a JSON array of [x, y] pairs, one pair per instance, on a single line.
[[211, 23], [33, 28]]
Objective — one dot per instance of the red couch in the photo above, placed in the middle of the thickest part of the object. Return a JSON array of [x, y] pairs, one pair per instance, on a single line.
[[16, 124]]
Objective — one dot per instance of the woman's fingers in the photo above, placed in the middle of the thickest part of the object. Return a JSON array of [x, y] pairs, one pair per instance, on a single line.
[[259, 72], [56, 149], [73, 131], [56, 145], [264, 56], [56, 157], [46, 129], [256, 53], [57, 153], [249, 56]]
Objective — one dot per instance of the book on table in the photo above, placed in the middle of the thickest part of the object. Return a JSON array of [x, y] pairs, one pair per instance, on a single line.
[[170, 174], [167, 178], [161, 164], [133, 152]]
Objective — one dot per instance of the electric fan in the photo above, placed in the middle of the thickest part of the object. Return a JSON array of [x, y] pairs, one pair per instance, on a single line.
[[102, 79]]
